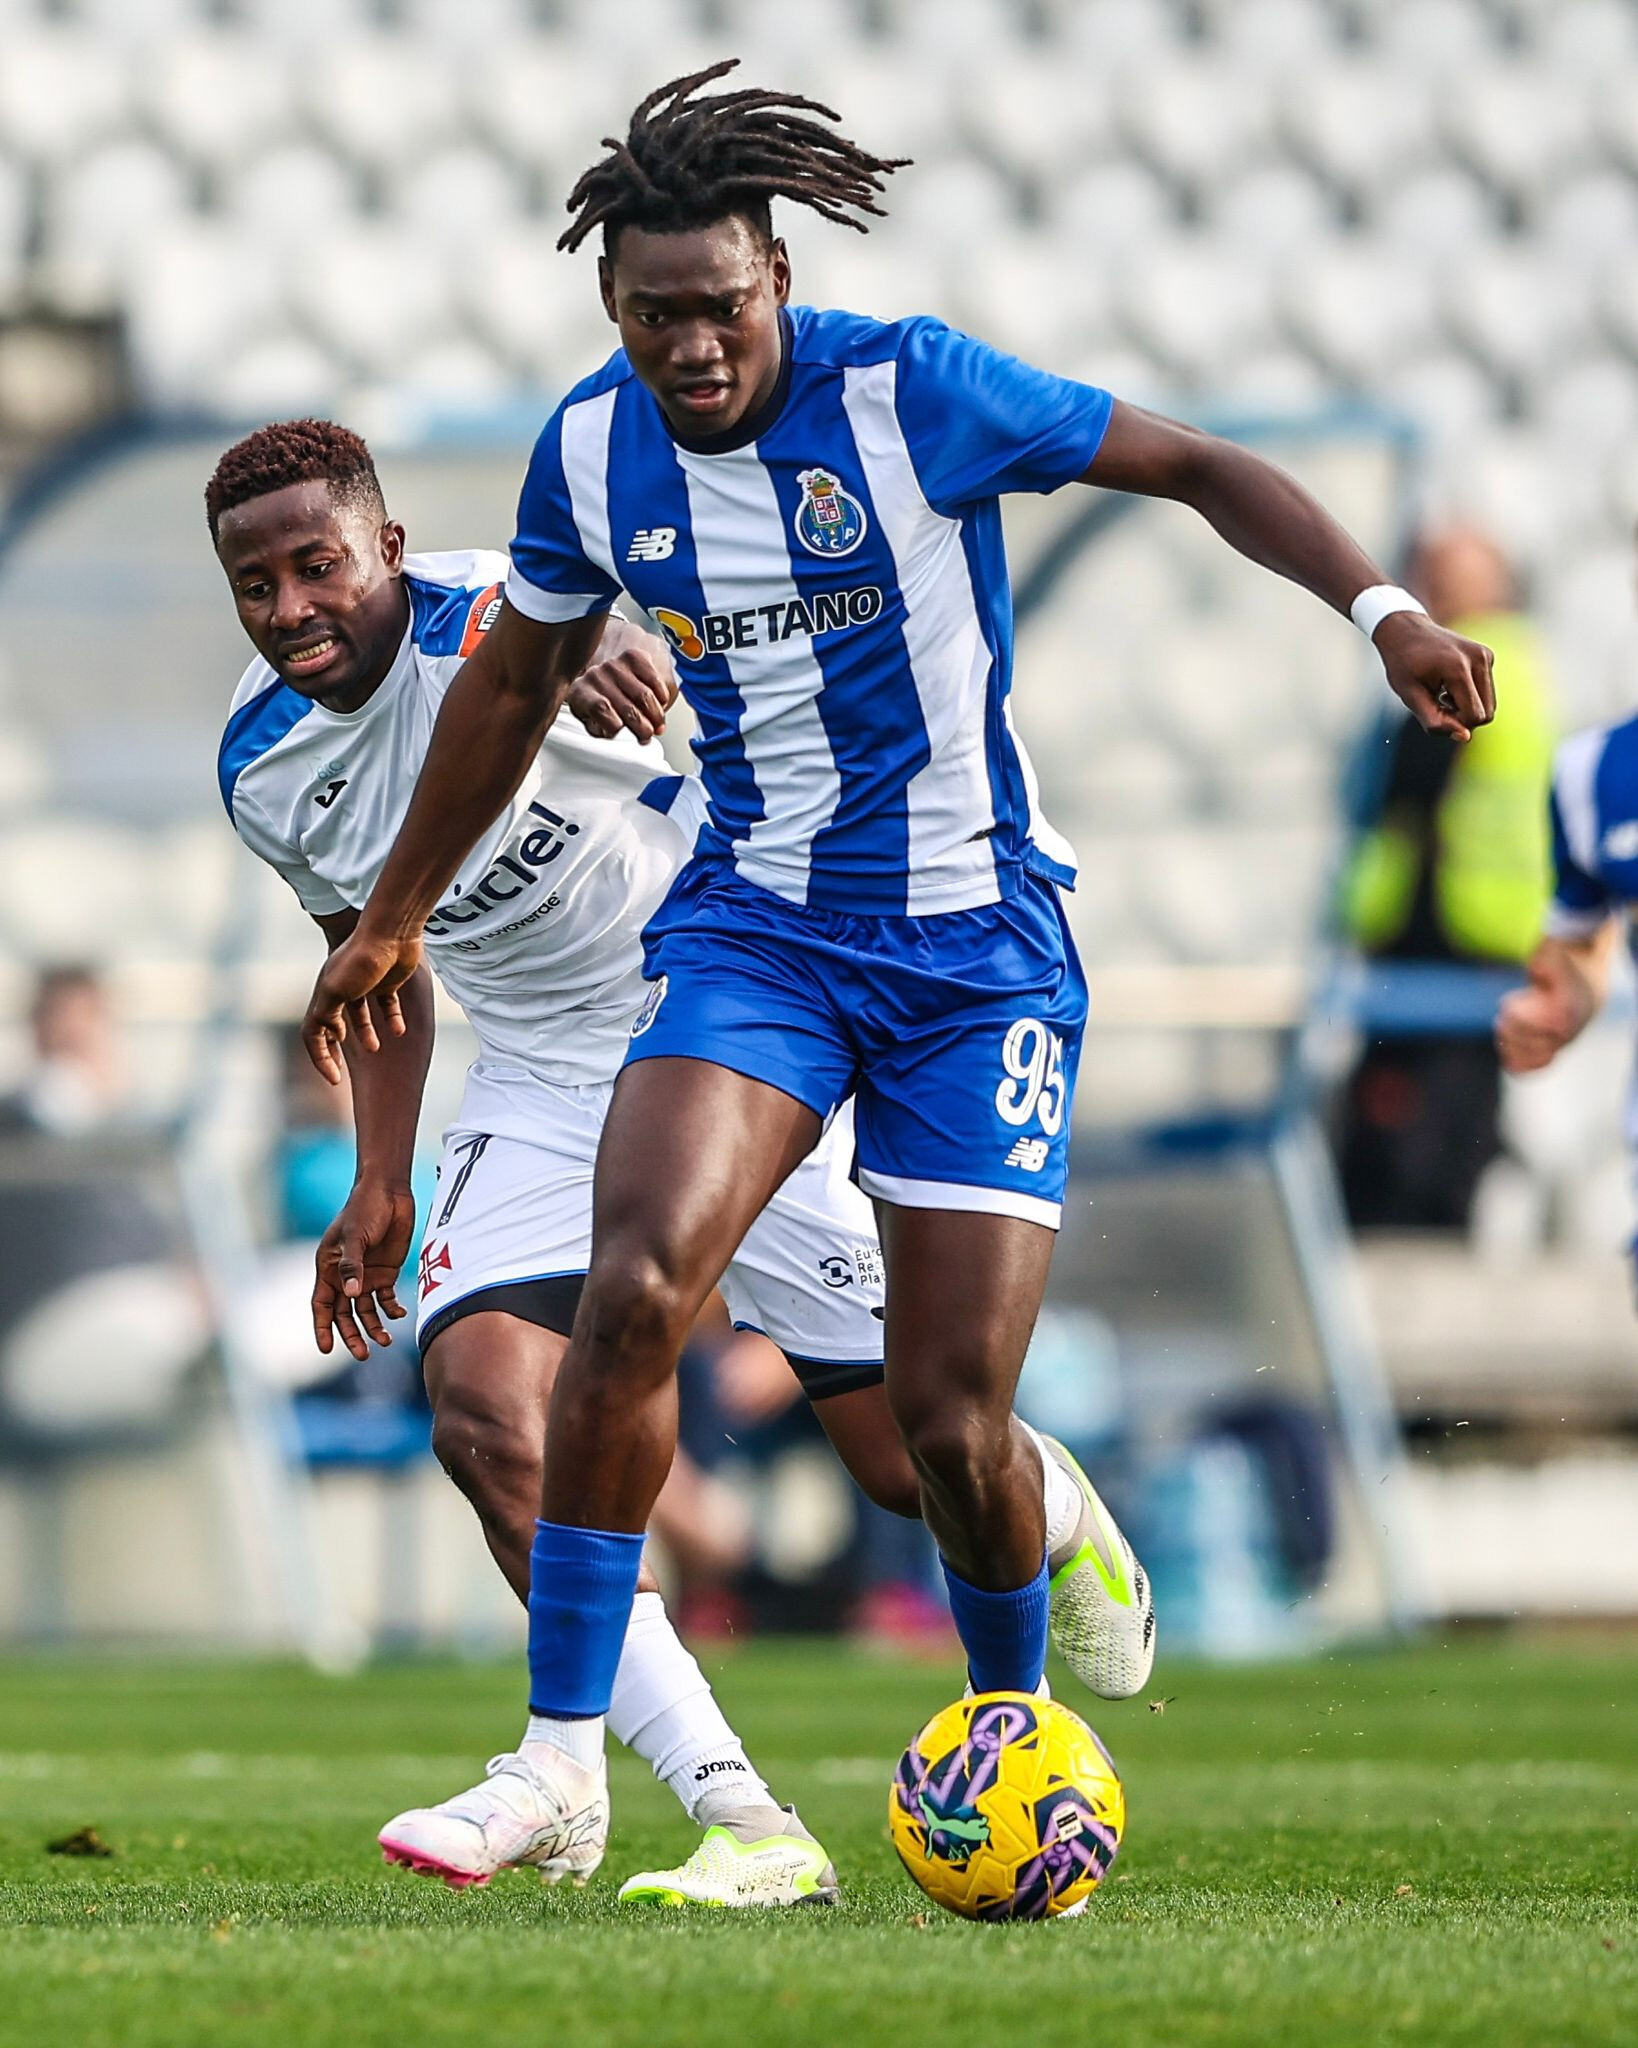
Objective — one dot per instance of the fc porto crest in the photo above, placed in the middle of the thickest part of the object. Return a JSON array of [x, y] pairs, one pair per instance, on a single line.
[[828, 521]]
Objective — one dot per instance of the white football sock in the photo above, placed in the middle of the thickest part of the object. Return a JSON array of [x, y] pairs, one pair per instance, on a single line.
[[580, 1739], [1064, 1499], [664, 1709]]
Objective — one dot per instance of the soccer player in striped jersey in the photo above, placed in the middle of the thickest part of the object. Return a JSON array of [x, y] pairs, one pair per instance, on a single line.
[[1594, 811], [807, 503], [538, 940]]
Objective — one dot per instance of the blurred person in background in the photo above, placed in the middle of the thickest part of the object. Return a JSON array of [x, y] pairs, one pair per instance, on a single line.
[[1453, 867], [100, 1320], [1592, 823], [77, 1080]]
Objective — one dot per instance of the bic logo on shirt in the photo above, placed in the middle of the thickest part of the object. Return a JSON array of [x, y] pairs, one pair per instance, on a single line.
[[828, 520], [764, 625]]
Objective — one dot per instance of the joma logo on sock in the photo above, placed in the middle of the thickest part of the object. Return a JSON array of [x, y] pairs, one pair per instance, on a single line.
[[712, 1770]]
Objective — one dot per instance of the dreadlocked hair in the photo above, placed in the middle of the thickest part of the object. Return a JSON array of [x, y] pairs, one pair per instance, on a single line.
[[687, 162], [294, 452]]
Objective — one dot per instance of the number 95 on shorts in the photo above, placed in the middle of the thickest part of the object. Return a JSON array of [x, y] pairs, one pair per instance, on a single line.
[[972, 1110]]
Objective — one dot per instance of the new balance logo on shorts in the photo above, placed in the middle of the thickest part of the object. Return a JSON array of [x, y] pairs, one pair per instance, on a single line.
[[1029, 1153], [652, 544]]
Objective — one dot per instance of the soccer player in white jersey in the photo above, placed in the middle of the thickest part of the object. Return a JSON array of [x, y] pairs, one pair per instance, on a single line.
[[538, 940], [808, 503], [1594, 807]]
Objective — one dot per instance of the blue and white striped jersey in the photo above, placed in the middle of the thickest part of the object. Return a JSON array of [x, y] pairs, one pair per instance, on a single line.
[[1595, 829], [835, 593]]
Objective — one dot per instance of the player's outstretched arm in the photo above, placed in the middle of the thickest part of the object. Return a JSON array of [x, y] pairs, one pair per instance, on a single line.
[[629, 687], [1569, 981], [362, 1253], [490, 726], [1443, 679]]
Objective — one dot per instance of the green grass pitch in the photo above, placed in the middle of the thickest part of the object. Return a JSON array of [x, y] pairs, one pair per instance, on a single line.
[[1433, 1845]]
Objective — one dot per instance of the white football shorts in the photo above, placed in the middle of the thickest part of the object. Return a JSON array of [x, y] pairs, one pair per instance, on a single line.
[[510, 1229]]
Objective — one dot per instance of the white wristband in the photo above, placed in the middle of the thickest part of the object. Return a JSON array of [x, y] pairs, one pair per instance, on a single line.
[[1380, 601]]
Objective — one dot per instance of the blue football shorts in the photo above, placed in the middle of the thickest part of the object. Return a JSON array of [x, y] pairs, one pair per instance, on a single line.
[[958, 1035]]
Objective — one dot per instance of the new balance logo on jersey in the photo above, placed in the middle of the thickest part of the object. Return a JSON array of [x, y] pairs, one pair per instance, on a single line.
[[652, 544], [1028, 1153], [764, 625]]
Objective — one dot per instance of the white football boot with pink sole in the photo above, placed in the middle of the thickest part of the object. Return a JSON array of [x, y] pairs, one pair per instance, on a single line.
[[543, 1810]]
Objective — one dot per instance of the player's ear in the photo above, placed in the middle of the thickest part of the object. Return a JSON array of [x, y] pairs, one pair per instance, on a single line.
[[779, 265], [605, 285], [392, 547]]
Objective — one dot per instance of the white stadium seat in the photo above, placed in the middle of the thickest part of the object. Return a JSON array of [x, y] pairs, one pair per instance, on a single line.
[[457, 195], [386, 100], [532, 303], [1450, 396], [101, 210], [1114, 32], [276, 373], [533, 108], [1362, 307], [303, 25], [1198, 119], [1439, 37], [1584, 38], [1196, 306], [372, 291], [456, 373], [199, 293], [62, 91], [1271, 210], [218, 95], [1109, 209], [1035, 115], [1590, 403], [1590, 221], [1437, 212], [955, 204], [1519, 127], [1361, 122], [1519, 313], [1275, 35], [275, 199]]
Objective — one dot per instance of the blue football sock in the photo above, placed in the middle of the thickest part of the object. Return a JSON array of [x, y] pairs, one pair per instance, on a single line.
[[581, 1586], [1004, 1634]]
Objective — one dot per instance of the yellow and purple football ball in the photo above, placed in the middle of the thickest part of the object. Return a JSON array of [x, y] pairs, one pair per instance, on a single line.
[[1007, 1807]]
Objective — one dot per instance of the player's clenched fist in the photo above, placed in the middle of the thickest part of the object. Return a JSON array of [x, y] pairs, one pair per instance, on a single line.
[[357, 985], [1444, 681], [629, 690]]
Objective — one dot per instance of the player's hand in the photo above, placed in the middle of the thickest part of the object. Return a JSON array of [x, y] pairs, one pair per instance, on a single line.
[[629, 689], [358, 983], [1443, 680], [359, 1259], [1534, 1024]]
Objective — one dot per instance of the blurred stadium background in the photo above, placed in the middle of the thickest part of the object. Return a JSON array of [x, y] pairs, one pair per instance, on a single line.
[[1393, 241]]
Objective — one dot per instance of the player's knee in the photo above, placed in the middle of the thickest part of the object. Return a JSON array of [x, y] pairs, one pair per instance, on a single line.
[[484, 1443], [634, 1315], [953, 1447]]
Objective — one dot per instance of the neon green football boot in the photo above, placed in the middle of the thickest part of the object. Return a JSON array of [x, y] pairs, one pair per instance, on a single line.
[[740, 1863], [1103, 1607]]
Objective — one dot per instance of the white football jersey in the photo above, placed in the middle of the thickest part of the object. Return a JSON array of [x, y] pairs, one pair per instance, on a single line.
[[538, 937]]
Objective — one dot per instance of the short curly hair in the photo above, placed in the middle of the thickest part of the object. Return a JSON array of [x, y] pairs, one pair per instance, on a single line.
[[294, 452]]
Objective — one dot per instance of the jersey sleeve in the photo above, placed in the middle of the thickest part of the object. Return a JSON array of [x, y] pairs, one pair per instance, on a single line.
[[979, 423], [552, 578], [314, 894], [1580, 902]]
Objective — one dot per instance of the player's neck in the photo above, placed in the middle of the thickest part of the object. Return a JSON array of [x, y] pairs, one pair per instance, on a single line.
[[355, 695]]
